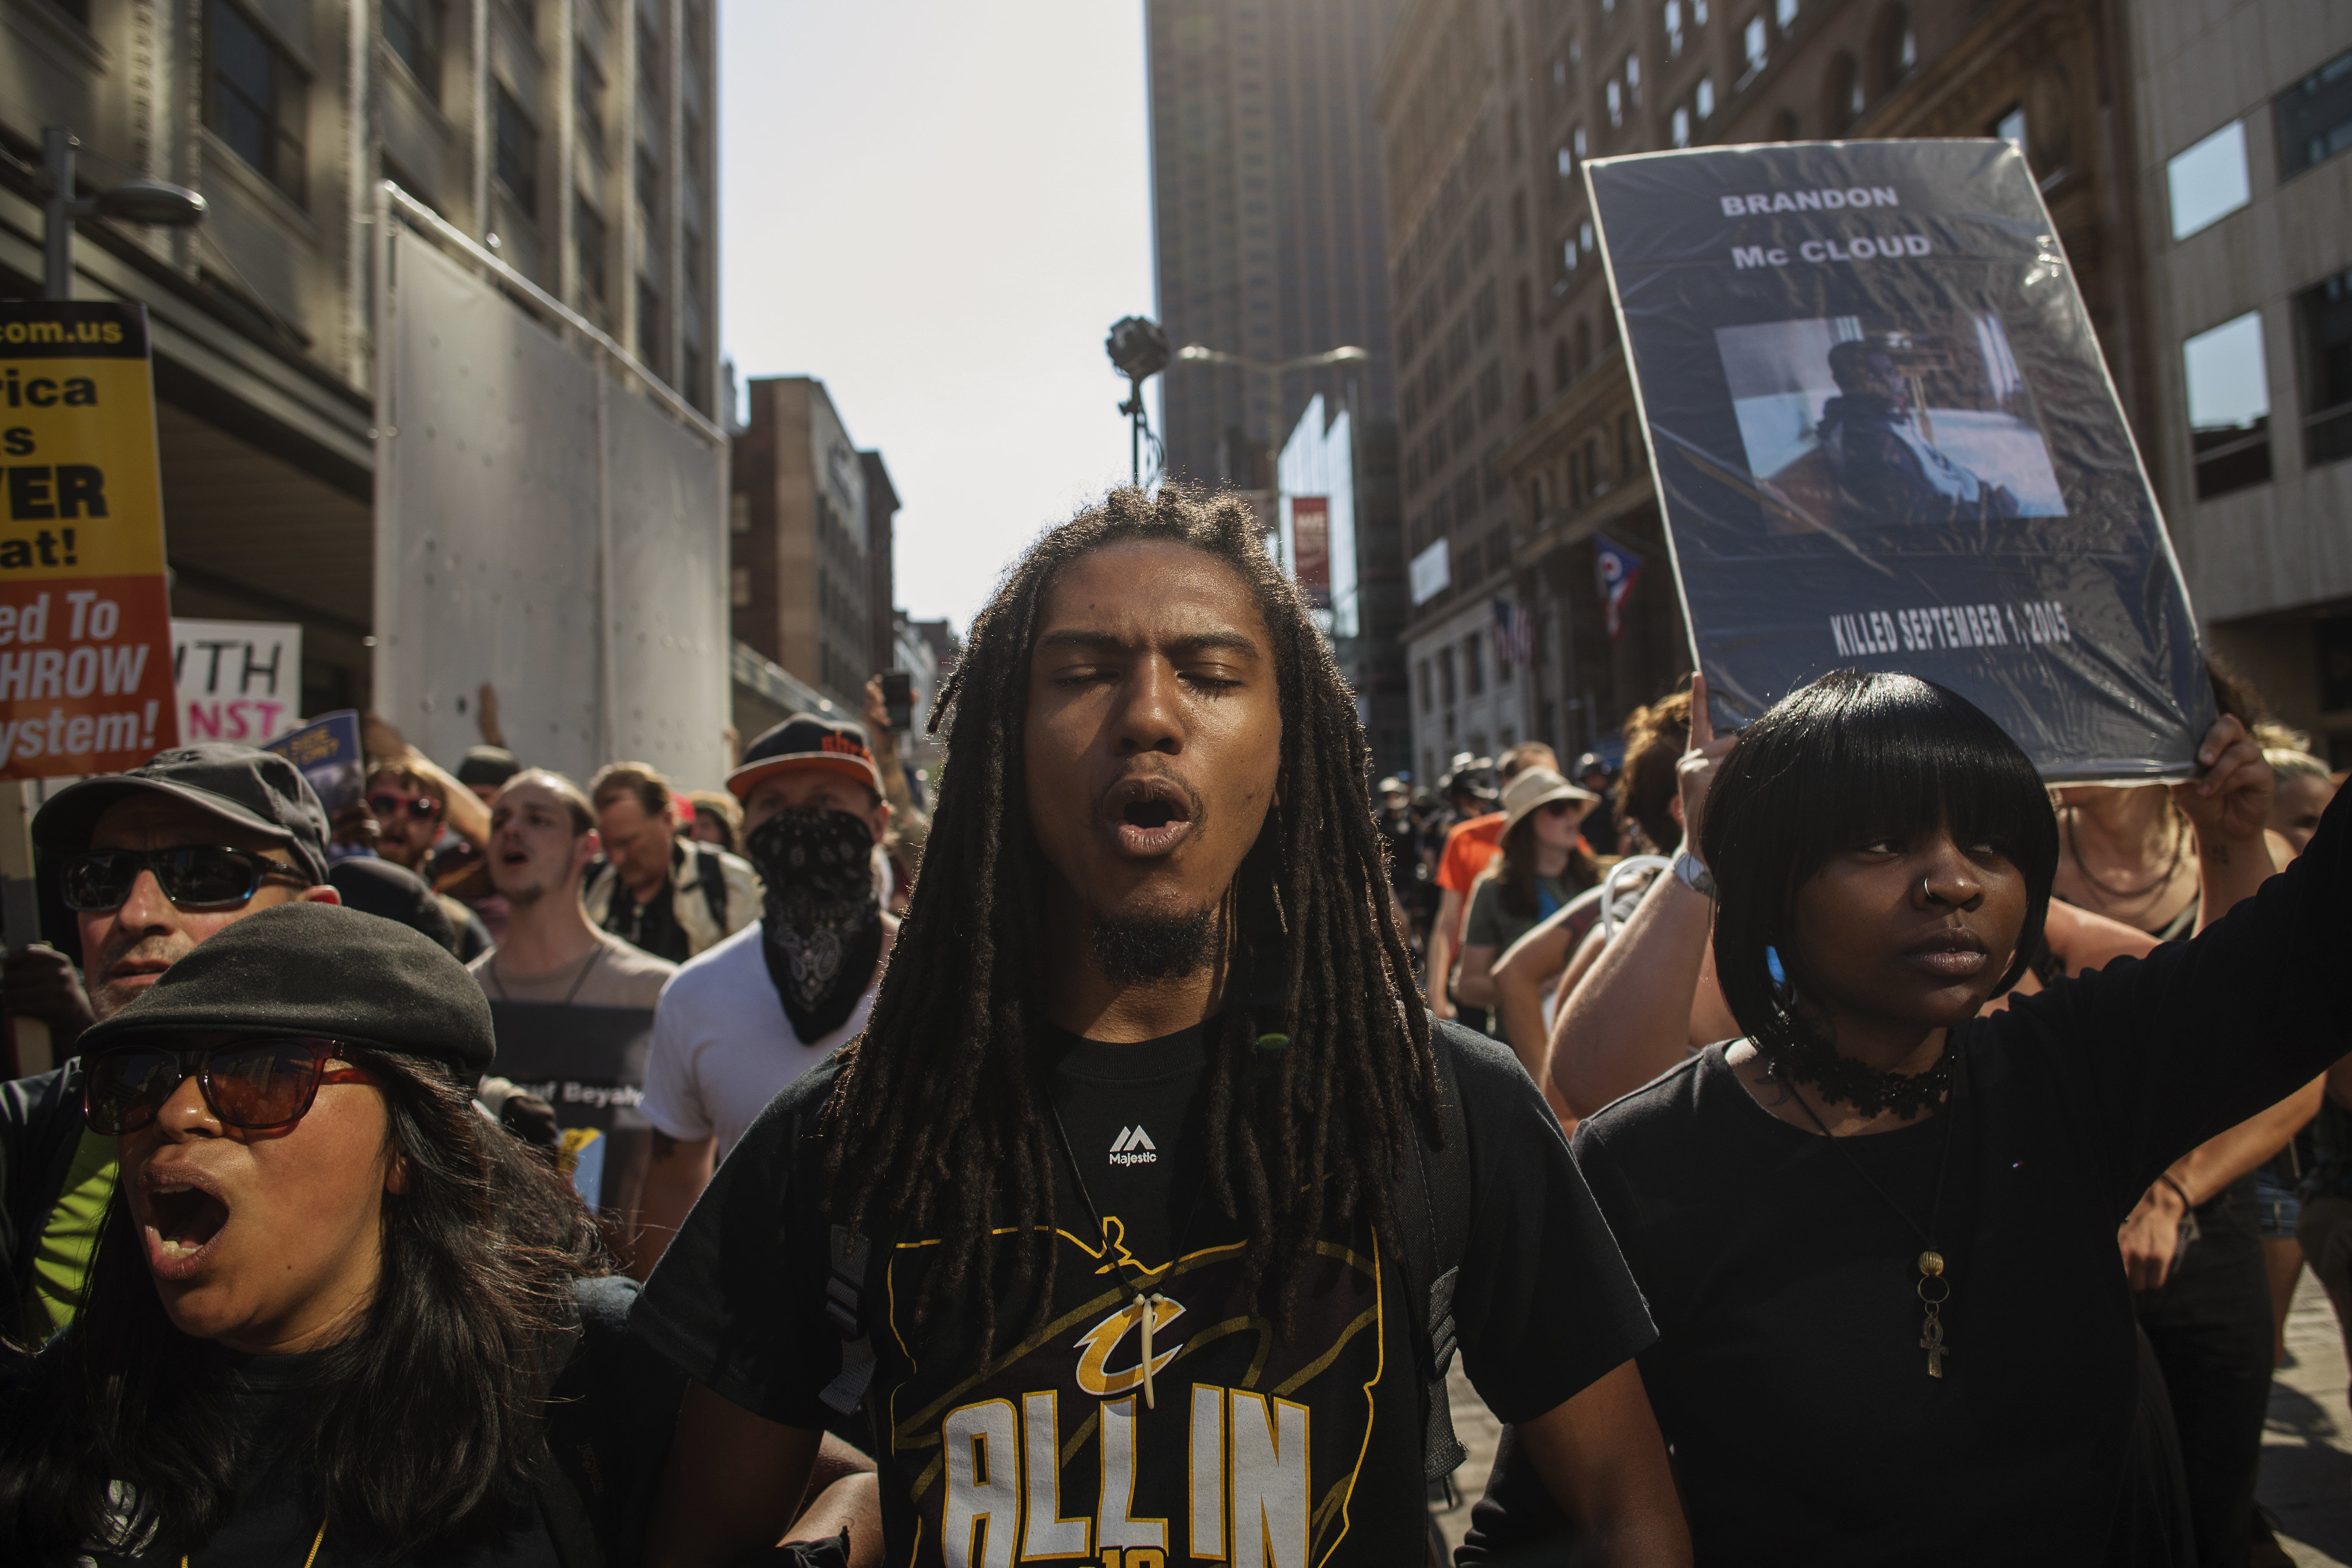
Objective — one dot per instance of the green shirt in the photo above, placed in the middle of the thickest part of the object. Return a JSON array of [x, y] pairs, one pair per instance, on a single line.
[[61, 1266]]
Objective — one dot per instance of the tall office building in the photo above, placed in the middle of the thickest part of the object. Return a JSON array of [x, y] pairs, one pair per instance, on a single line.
[[575, 139], [1270, 242]]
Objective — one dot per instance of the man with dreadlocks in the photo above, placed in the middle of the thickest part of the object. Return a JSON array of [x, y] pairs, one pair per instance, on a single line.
[[1107, 1202]]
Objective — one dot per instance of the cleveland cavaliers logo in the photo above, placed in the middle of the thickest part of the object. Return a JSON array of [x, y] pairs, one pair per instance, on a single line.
[[1097, 1346]]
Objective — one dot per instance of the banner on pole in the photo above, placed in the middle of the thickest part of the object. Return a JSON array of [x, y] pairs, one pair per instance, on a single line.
[[85, 611], [1883, 438]]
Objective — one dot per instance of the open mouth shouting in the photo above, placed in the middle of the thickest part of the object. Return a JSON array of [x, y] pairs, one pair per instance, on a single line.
[[181, 1213], [1150, 814]]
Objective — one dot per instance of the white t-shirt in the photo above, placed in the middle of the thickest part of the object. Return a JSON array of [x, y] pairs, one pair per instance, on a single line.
[[722, 1046]]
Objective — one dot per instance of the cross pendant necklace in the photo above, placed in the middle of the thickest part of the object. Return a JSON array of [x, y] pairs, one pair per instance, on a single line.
[[1935, 1287]]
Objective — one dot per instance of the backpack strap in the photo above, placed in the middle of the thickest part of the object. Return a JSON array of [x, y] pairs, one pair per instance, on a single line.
[[844, 1307], [1432, 1205], [711, 873]]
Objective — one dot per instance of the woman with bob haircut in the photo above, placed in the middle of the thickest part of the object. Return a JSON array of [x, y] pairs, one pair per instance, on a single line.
[[1877, 1232], [336, 1314]]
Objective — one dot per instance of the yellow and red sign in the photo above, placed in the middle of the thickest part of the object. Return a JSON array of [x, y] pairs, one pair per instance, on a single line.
[[85, 610]]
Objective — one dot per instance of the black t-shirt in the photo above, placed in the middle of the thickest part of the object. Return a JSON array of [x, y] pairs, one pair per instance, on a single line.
[[1788, 1375], [1315, 1440], [277, 1516]]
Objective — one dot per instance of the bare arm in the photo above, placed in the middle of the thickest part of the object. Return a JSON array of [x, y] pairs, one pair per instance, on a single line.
[[675, 1176], [732, 1485], [2150, 1236], [1602, 1461], [1518, 978], [1476, 984], [1442, 935], [847, 1496], [2229, 805], [1632, 1018]]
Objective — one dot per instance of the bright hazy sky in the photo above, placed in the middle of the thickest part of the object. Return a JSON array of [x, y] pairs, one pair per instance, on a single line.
[[937, 208]]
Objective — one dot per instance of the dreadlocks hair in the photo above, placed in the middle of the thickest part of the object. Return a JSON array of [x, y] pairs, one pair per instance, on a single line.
[[946, 1088]]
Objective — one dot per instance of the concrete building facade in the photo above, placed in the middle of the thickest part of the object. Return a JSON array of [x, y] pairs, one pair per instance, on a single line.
[[572, 137], [2243, 124], [803, 549]]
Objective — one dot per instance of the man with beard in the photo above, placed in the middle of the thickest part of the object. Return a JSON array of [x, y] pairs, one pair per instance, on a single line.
[[1103, 1222], [152, 862], [542, 836], [747, 1016]]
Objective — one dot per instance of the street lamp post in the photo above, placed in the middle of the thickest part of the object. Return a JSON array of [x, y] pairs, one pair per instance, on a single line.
[[1139, 347], [140, 201], [1274, 370]]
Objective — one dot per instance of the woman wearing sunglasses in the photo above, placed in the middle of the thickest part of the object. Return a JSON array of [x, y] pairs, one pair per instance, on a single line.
[[335, 1310]]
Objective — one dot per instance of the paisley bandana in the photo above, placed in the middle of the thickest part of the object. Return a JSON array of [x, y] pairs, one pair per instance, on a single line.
[[822, 923]]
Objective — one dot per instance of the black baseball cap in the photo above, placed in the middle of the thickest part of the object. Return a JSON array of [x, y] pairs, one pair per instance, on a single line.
[[318, 969], [258, 791], [805, 740], [390, 892], [491, 765]]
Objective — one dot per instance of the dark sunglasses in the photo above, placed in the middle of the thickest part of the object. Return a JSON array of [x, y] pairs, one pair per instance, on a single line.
[[255, 1084], [193, 876], [1556, 808], [424, 808]]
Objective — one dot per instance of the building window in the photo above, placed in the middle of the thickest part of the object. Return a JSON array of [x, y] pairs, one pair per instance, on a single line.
[[1674, 29], [1518, 219], [2207, 181], [588, 248], [739, 588], [1485, 314], [1490, 390], [1901, 45], [1682, 127], [1474, 663], [1633, 78], [587, 97], [1705, 98], [413, 30], [2228, 405], [1844, 93], [1445, 674], [1527, 395], [2323, 317], [1526, 310], [2314, 116], [1560, 364], [1421, 673], [1751, 44], [1615, 93], [649, 325], [255, 96], [1784, 14], [518, 152]]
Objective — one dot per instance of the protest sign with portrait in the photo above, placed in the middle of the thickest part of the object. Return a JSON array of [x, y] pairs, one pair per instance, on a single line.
[[1883, 438]]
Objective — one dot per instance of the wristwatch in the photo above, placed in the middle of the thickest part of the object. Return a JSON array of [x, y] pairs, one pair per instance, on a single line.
[[1693, 873]]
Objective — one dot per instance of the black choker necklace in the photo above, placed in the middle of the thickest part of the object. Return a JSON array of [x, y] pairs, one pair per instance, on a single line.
[[1812, 1059]]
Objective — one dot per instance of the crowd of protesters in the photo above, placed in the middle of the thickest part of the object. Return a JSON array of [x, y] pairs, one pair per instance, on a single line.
[[1822, 1144]]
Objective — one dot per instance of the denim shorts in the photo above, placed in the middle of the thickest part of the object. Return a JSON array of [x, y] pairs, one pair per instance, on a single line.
[[2278, 1209]]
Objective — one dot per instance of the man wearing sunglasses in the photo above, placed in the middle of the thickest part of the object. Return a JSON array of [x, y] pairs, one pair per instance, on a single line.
[[152, 862]]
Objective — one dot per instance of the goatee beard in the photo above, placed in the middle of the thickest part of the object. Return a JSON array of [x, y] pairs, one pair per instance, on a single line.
[[1147, 950]]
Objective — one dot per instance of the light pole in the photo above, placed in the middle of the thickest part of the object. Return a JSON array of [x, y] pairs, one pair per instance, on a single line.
[[1274, 370], [140, 201], [1139, 347]]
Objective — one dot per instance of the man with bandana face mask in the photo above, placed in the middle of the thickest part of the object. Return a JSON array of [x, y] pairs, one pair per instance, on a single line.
[[761, 1007]]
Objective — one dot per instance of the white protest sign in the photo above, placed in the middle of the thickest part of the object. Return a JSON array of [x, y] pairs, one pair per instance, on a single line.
[[238, 680]]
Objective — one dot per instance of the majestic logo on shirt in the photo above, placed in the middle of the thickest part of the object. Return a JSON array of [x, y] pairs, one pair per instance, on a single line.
[[1133, 1146]]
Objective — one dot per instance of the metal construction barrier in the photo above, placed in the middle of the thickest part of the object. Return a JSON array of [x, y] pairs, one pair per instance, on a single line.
[[550, 517]]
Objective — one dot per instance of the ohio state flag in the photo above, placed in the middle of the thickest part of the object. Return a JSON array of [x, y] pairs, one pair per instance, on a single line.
[[1619, 567]]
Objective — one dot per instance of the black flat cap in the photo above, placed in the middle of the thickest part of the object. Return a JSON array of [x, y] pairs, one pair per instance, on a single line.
[[380, 888], [491, 765], [258, 791], [316, 969]]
